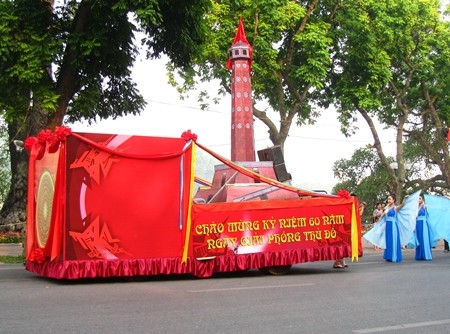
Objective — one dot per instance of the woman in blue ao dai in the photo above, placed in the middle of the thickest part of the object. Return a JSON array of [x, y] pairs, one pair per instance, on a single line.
[[393, 251], [423, 233]]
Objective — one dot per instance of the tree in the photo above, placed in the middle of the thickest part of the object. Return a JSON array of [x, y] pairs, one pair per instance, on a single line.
[[391, 64], [291, 42], [5, 172], [364, 174], [73, 62], [386, 61]]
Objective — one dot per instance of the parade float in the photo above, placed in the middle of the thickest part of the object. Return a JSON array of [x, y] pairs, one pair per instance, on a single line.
[[110, 205]]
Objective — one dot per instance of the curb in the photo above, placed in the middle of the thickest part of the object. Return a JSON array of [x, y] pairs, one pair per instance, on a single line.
[[11, 249]]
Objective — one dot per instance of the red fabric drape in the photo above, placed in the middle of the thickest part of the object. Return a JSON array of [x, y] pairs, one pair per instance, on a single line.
[[53, 245], [165, 155], [31, 203], [52, 144], [168, 266]]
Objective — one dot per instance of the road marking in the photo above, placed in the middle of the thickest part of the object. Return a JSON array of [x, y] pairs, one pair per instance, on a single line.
[[403, 326], [252, 287]]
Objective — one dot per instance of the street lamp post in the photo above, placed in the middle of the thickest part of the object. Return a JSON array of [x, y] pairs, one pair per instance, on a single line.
[[396, 185]]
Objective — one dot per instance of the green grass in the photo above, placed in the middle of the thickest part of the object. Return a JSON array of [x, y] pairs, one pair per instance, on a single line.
[[11, 259]]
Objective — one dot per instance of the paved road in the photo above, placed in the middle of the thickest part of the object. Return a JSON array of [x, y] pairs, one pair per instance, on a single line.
[[370, 296]]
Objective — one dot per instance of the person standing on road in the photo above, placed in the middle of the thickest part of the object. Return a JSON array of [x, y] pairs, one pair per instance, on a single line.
[[340, 263], [376, 215], [393, 251], [395, 227], [424, 233], [438, 209]]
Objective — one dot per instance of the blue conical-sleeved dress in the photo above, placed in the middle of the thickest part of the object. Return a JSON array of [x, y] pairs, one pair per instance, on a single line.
[[393, 251], [424, 236]]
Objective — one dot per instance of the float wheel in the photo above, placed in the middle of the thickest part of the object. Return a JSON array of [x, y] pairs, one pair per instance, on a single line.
[[276, 270]]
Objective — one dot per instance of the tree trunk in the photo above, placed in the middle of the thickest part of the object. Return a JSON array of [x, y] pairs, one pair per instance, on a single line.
[[13, 212]]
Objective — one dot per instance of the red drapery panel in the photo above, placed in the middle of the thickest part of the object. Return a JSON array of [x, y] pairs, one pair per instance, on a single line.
[[107, 197]]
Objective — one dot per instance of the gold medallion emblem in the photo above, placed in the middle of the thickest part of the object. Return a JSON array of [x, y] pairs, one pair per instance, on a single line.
[[44, 204]]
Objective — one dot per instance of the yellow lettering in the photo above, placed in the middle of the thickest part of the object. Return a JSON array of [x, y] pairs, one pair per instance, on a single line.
[[294, 222], [333, 220], [208, 229], [243, 226], [314, 221], [255, 240], [283, 238], [268, 224], [221, 243], [309, 236]]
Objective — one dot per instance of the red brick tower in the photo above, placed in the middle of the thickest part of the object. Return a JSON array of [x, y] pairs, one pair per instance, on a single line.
[[228, 185], [242, 131]]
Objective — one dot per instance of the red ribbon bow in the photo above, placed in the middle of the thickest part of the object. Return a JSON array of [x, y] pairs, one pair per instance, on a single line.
[[343, 193], [188, 135]]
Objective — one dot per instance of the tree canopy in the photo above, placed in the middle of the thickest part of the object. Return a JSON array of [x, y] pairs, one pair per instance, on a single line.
[[75, 59], [383, 61], [391, 64], [291, 56], [71, 60]]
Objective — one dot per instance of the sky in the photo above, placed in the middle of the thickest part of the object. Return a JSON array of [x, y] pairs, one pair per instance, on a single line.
[[310, 151]]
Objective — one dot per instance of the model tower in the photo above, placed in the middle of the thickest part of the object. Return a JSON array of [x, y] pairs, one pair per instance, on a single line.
[[228, 185], [242, 131]]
